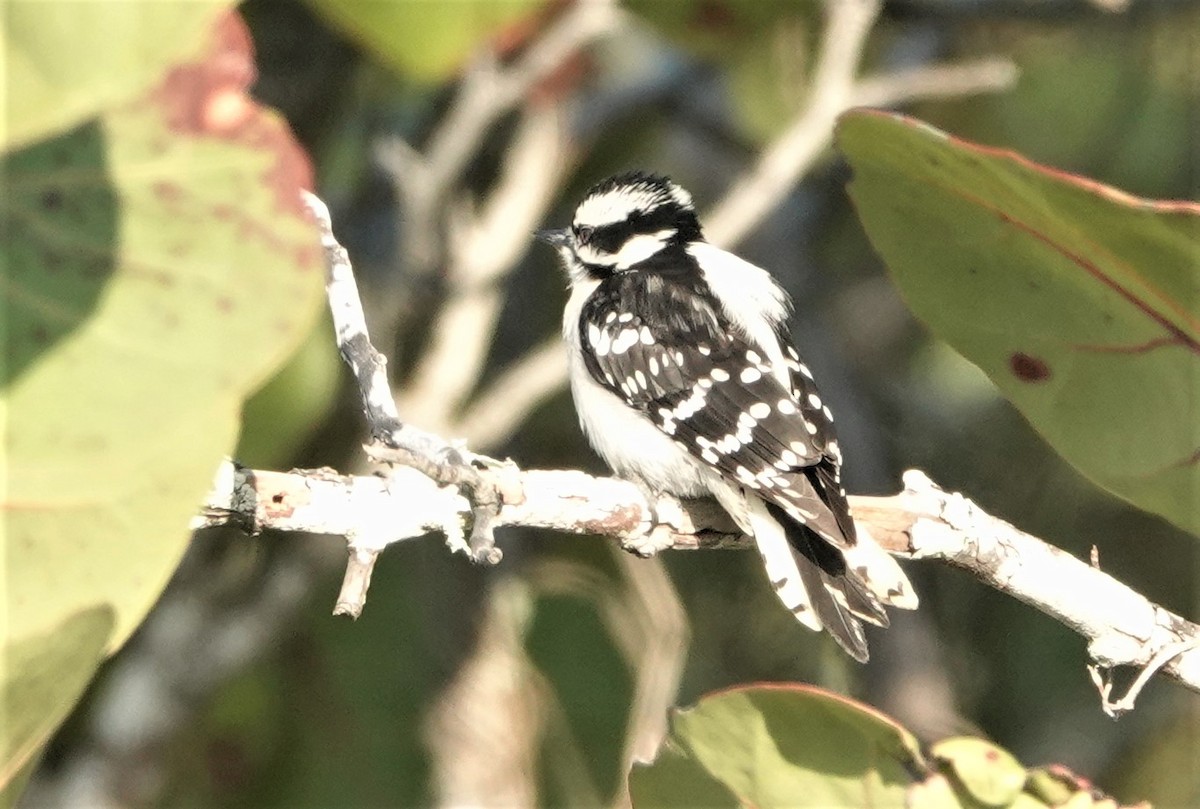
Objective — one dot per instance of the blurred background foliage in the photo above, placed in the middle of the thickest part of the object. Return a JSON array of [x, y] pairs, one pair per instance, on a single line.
[[241, 690]]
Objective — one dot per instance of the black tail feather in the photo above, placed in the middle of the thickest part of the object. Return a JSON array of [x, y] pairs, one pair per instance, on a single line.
[[838, 598]]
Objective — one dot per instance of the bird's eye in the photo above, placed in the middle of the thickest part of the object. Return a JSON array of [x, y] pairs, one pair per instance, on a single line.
[[583, 234]]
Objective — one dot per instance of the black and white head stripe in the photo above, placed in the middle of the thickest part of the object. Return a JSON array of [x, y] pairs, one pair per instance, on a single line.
[[629, 195], [629, 218]]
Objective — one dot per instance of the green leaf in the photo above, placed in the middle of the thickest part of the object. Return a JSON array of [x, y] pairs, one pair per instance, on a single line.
[[157, 267], [43, 675], [675, 781], [934, 792], [989, 774], [784, 745], [65, 62], [1049, 786], [1080, 302], [425, 40]]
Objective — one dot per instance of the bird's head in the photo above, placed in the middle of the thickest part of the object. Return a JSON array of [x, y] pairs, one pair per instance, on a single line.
[[623, 222]]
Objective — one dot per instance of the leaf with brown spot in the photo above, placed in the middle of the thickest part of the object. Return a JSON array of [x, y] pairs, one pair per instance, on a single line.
[[113, 52], [138, 320], [1081, 302]]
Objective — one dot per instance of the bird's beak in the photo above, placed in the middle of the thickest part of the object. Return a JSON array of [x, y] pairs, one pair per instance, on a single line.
[[556, 238]]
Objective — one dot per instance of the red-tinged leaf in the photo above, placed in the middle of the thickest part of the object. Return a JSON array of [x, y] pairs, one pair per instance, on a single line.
[[1081, 303], [117, 50], [158, 266]]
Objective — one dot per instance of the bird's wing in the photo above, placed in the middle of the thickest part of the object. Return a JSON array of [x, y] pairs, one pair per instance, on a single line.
[[718, 395]]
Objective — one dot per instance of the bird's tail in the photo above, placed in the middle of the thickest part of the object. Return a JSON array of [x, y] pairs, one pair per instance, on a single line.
[[814, 581], [882, 574]]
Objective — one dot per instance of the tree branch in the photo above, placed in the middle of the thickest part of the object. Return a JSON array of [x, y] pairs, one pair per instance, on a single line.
[[1123, 628], [397, 442], [834, 90]]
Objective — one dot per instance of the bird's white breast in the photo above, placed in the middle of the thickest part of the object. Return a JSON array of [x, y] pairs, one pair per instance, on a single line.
[[627, 441]]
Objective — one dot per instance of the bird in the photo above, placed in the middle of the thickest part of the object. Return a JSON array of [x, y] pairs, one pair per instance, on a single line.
[[686, 382]]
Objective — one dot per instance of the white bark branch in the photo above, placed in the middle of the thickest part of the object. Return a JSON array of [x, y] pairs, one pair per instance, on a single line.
[[1123, 627], [847, 24]]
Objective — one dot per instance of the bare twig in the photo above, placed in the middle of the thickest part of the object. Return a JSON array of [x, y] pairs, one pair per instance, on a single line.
[[922, 522], [400, 443], [652, 630], [356, 581], [497, 693], [986, 75], [488, 91], [847, 24], [1102, 678], [1123, 627], [834, 90]]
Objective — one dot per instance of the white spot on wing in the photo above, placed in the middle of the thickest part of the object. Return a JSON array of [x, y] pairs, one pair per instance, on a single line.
[[602, 343]]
